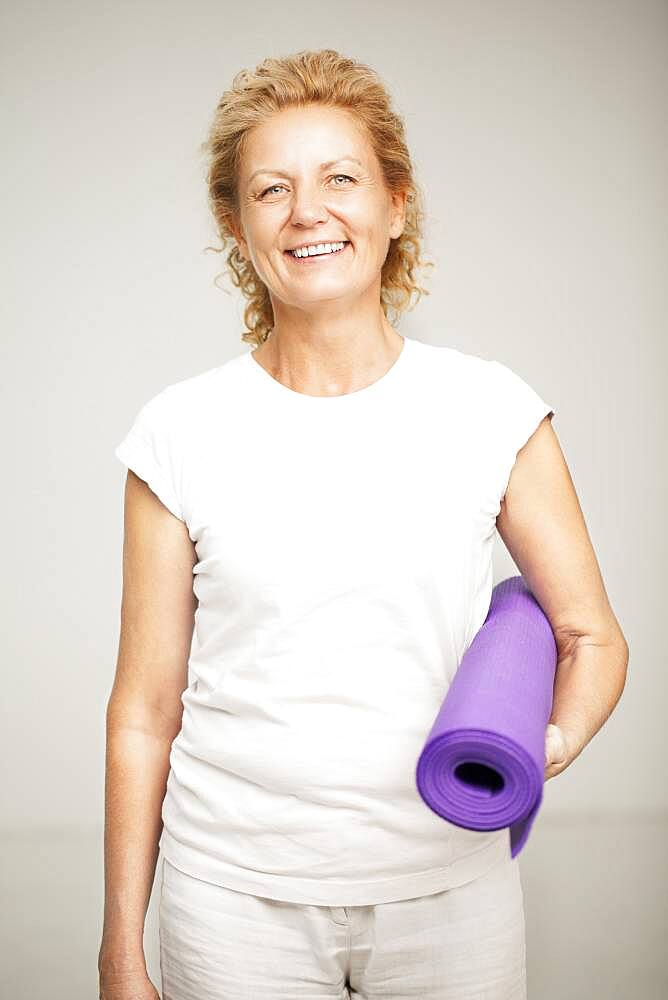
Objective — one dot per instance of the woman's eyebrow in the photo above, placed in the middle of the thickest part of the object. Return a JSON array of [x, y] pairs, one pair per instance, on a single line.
[[323, 166]]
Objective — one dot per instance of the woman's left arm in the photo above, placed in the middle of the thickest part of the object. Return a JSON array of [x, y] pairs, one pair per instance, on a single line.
[[543, 527]]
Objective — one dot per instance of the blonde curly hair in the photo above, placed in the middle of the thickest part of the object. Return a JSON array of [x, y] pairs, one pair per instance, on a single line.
[[307, 77]]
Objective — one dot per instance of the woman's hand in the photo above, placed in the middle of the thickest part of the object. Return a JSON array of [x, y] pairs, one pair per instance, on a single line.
[[558, 752]]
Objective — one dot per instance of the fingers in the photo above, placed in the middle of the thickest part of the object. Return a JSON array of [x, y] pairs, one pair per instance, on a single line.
[[556, 750]]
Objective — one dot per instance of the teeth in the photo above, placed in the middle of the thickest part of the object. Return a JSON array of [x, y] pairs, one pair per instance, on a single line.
[[320, 248]]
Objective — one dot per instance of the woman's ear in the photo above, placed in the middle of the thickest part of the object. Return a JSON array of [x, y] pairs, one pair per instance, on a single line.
[[398, 217], [237, 232]]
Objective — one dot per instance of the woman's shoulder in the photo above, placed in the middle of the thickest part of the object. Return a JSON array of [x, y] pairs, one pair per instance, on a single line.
[[445, 359], [201, 387]]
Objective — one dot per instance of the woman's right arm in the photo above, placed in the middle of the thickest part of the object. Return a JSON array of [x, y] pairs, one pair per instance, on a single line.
[[143, 717]]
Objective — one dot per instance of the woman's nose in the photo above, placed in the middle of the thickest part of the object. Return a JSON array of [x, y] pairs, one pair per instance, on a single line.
[[308, 205]]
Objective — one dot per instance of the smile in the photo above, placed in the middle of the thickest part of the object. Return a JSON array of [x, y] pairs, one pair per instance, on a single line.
[[318, 252]]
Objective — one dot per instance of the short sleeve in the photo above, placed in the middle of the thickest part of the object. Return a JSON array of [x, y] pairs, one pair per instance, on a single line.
[[150, 450], [515, 413]]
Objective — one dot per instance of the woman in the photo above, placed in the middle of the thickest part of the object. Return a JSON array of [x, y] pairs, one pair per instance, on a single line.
[[322, 510]]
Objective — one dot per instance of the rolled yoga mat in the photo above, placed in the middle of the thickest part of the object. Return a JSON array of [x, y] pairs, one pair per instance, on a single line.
[[483, 763]]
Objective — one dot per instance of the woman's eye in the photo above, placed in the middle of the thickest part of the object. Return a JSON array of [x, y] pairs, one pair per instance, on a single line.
[[272, 188], [335, 177]]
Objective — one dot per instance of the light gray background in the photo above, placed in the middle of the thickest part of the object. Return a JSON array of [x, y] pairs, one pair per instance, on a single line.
[[539, 135]]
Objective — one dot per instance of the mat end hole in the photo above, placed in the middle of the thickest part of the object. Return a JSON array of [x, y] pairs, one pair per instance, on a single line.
[[480, 779]]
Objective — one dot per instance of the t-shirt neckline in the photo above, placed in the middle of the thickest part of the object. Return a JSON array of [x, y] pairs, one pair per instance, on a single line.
[[380, 384]]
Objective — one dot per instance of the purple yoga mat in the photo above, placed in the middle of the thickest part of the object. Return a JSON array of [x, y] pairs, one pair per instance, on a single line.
[[483, 763]]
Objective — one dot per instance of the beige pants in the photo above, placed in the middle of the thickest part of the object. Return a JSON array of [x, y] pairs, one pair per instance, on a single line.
[[220, 944]]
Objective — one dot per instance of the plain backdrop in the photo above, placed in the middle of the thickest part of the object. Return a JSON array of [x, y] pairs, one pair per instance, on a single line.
[[539, 135]]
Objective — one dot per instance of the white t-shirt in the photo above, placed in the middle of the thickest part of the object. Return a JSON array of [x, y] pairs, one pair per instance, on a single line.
[[344, 548]]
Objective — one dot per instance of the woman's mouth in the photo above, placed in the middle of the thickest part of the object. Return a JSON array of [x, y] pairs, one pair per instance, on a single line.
[[312, 258]]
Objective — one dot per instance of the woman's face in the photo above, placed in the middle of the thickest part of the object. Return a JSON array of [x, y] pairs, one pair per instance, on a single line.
[[308, 176]]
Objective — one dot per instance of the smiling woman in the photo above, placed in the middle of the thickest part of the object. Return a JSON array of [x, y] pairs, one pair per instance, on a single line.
[[309, 536]]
